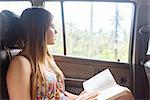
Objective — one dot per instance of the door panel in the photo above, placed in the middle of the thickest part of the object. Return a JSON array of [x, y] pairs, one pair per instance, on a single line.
[[77, 70]]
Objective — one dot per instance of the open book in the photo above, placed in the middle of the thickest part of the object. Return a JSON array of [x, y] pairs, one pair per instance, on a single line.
[[106, 84]]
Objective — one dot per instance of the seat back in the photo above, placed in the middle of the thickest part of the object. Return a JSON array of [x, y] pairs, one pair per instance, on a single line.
[[5, 58]]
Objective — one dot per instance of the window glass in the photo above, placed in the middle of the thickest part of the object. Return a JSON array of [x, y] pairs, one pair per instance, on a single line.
[[15, 6], [98, 30], [55, 9]]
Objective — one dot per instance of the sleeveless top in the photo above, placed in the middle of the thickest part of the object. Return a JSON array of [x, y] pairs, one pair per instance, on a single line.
[[55, 88]]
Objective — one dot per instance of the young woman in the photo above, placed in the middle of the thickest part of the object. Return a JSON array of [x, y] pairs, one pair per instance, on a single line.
[[33, 73]]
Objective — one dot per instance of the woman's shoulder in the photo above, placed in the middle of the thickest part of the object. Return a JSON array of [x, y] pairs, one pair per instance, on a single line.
[[20, 64], [18, 77], [20, 60]]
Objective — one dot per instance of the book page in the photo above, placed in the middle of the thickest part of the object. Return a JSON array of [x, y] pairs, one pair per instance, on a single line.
[[100, 81], [112, 93]]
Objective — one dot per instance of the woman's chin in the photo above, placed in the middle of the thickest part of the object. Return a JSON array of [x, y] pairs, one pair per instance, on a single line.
[[51, 43]]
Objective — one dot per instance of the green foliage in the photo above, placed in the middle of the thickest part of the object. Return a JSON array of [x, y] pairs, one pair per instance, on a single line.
[[111, 45]]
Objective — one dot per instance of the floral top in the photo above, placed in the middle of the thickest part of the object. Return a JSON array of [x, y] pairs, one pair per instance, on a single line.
[[55, 89]]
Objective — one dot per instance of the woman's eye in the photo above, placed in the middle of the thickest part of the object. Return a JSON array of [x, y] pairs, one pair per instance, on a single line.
[[52, 26]]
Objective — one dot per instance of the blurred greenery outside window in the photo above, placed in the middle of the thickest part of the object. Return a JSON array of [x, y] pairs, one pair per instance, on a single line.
[[94, 30]]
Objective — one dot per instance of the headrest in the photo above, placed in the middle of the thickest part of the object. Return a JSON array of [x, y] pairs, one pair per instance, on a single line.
[[3, 53]]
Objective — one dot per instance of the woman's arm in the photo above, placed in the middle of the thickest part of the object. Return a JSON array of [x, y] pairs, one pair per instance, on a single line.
[[18, 79]]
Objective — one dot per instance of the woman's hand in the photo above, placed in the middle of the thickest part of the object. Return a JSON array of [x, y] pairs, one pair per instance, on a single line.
[[88, 95]]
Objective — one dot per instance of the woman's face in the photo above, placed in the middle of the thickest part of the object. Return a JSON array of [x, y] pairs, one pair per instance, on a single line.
[[51, 34]]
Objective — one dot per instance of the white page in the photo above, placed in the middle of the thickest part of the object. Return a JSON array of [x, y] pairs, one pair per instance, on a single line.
[[100, 81], [111, 93]]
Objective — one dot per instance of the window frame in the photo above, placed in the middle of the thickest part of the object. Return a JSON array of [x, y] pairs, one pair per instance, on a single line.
[[118, 1]]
